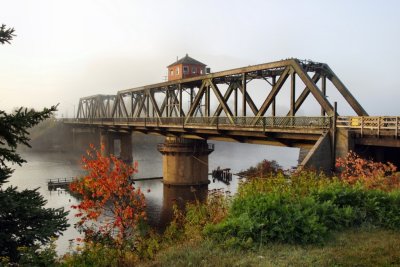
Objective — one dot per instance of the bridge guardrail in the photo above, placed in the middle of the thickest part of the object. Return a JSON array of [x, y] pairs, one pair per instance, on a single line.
[[218, 122], [376, 125]]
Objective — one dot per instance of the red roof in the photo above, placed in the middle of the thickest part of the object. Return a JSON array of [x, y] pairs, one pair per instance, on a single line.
[[187, 60]]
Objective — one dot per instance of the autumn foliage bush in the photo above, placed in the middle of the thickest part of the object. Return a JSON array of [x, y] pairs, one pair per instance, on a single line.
[[265, 168], [111, 208], [371, 174]]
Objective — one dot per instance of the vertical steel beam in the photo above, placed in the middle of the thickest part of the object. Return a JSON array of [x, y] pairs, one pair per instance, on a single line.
[[273, 113], [147, 104], [207, 102], [131, 104], [292, 93], [168, 102], [180, 100], [334, 135], [235, 101], [323, 89], [191, 96], [244, 89]]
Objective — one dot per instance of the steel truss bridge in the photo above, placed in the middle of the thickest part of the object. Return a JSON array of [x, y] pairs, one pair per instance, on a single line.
[[222, 106]]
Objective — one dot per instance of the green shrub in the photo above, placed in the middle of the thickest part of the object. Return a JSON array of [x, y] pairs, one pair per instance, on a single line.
[[280, 217], [38, 256], [373, 207], [303, 209], [299, 184]]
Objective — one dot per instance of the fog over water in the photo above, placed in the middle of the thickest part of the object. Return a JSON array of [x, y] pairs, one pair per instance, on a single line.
[[45, 165]]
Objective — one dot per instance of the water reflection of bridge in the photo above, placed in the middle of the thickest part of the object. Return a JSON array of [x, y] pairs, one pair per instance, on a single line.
[[221, 106]]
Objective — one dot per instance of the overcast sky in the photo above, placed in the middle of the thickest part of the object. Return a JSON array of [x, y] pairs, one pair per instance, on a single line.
[[67, 49]]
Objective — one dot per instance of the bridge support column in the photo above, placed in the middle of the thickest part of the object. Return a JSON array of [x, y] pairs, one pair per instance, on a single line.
[[107, 141], [124, 150], [126, 147], [82, 137], [185, 161], [320, 156], [344, 142]]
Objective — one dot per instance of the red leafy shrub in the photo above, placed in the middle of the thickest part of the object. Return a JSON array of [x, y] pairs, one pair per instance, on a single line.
[[109, 199], [371, 174]]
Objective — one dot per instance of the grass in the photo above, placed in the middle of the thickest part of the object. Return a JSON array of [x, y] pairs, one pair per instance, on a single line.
[[353, 247]]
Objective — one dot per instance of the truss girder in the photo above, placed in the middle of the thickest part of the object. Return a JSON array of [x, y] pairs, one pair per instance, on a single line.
[[97, 106], [209, 95]]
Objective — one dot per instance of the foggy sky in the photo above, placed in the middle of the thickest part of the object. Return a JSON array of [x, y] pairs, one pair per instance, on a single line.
[[68, 49]]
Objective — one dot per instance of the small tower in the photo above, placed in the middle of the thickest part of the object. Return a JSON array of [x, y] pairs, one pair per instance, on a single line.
[[185, 67]]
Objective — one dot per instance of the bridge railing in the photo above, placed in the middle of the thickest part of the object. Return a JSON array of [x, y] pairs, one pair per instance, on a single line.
[[375, 125], [218, 122]]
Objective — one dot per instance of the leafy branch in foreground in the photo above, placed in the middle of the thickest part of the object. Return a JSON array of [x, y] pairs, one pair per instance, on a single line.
[[14, 131], [24, 221], [6, 34]]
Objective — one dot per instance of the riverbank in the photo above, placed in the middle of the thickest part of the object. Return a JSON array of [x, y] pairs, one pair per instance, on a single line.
[[353, 247], [306, 219]]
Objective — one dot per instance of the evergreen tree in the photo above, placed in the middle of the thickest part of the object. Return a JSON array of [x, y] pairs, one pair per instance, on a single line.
[[6, 34], [24, 221]]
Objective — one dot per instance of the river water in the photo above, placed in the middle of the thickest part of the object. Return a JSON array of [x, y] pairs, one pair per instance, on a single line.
[[43, 166]]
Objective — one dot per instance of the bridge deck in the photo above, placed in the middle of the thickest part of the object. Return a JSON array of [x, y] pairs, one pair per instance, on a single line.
[[281, 131]]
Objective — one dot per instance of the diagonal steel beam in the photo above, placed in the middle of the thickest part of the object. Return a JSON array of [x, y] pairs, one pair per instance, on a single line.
[[164, 104], [227, 94], [78, 114], [271, 96], [345, 92], [196, 100], [179, 110], [304, 94], [122, 104], [142, 99], [134, 101], [115, 107], [154, 103], [249, 100], [322, 100], [221, 100]]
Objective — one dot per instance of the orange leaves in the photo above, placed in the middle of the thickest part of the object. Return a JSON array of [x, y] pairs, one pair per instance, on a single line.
[[106, 191], [373, 175]]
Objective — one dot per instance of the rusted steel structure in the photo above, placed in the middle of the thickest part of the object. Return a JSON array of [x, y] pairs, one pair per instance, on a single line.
[[97, 106], [222, 106], [219, 105]]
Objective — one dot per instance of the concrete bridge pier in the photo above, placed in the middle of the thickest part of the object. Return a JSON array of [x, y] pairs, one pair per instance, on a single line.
[[323, 154], [179, 196], [126, 147], [107, 141], [82, 138], [117, 143], [185, 161]]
